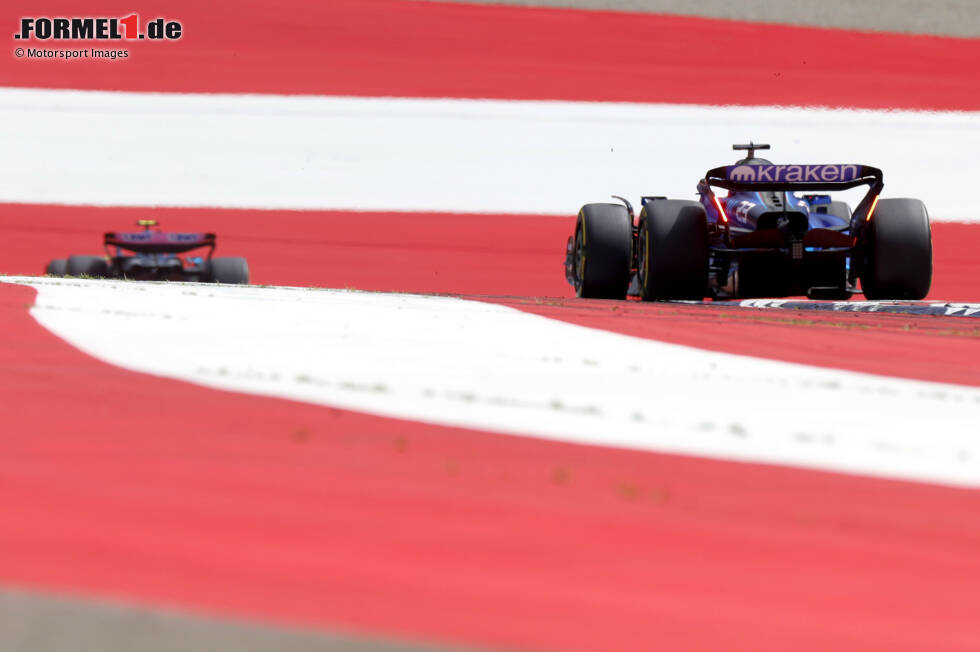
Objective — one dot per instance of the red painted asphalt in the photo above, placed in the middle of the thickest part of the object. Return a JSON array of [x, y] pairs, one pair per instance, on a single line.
[[513, 255], [125, 485], [129, 486], [424, 49], [505, 257]]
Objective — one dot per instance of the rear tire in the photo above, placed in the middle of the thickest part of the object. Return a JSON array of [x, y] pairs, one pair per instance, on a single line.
[[898, 252], [229, 271], [672, 254], [57, 267], [602, 252], [94, 266]]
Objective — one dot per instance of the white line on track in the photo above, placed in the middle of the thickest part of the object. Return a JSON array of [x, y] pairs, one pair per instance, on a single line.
[[465, 363], [266, 151]]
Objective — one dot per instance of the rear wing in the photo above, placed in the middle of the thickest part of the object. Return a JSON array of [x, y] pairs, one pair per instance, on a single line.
[[838, 176], [160, 243], [793, 177]]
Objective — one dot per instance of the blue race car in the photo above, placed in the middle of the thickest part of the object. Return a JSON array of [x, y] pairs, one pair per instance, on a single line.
[[154, 255], [771, 235]]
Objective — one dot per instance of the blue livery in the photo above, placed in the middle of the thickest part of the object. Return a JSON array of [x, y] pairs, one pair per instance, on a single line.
[[758, 229]]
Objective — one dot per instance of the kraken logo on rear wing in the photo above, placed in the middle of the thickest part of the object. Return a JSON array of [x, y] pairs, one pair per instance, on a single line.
[[788, 178], [839, 176], [806, 173], [159, 242]]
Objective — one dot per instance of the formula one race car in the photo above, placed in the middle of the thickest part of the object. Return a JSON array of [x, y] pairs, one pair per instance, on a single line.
[[154, 257], [770, 236]]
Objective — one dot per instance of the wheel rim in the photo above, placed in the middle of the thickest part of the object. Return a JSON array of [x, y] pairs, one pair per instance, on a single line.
[[641, 257], [579, 260]]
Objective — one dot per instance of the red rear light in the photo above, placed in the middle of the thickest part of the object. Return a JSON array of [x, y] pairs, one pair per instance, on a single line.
[[874, 204], [721, 211]]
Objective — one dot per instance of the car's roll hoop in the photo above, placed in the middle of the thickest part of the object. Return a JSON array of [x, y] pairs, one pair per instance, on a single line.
[[750, 148]]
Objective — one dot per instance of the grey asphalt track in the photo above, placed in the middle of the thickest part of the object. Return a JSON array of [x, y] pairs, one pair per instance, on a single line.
[[39, 623], [941, 17]]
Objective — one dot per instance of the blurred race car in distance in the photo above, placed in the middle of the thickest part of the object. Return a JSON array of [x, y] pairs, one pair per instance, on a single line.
[[153, 256], [761, 240]]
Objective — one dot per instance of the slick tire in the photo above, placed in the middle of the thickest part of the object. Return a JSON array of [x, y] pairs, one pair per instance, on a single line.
[[898, 254], [94, 266], [229, 271], [57, 267], [672, 251], [603, 251]]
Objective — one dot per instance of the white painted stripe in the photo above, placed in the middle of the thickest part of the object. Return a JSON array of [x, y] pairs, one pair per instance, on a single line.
[[456, 362], [102, 148]]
